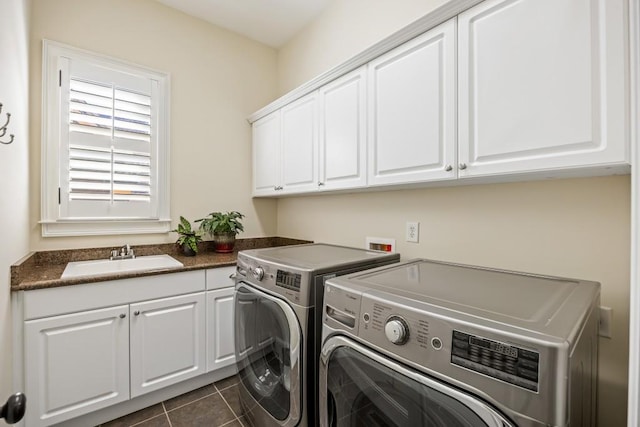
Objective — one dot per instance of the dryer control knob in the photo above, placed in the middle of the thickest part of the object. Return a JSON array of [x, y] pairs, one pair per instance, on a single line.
[[396, 330], [258, 273]]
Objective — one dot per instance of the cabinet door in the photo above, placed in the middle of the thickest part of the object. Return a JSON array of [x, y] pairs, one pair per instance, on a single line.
[[542, 85], [342, 146], [76, 364], [412, 123], [267, 159], [220, 338], [300, 145], [167, 342]]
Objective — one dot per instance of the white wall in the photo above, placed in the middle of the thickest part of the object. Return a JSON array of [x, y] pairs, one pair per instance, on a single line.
[[576, 228], [217, 79], [14, 165], [345, 28]]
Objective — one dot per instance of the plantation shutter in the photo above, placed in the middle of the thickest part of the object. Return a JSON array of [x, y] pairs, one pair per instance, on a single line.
[[108, 152], [106, 173]]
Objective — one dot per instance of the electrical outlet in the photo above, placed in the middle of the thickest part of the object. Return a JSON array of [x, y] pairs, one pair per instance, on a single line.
[[412, 232]]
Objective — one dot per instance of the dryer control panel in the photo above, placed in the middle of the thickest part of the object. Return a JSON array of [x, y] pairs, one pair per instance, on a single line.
[[506, 362], [292, 284]]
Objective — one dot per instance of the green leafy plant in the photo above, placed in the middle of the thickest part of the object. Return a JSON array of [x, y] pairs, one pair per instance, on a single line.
[[187, 236], [222, 223]]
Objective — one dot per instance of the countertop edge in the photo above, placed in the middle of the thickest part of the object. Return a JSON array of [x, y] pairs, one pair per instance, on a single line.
[[81, 280], [43, 270]]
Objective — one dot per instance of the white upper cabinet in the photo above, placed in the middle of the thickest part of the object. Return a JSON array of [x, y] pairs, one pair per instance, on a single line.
[[285, 149], [300, 145], [342, 146], [412, 110], [505, 90], [267, 157], [542, 86]]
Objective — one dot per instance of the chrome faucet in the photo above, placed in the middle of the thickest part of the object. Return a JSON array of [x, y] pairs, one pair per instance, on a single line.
[[124, 252]]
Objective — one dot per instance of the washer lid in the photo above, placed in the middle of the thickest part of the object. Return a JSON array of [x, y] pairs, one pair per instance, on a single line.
[[549, 305], [318, 256]]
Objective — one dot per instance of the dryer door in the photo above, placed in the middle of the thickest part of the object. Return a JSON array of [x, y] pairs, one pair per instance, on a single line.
[[359, 387], [268, 356]]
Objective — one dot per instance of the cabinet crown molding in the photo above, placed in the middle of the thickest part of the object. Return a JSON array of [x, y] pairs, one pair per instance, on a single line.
[[432, 19]]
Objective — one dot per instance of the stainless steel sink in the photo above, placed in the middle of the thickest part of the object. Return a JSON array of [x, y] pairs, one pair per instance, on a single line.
[[104, 266]]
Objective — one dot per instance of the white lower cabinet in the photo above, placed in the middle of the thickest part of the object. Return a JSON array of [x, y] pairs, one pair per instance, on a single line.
[[220, 339], [167, 342], [156, 331], [220, 318], [75, 364]]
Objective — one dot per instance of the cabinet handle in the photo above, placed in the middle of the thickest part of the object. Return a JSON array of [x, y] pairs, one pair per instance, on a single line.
[[449, 168], [462, 166], [122, 315], [320, 183], [137, 312]]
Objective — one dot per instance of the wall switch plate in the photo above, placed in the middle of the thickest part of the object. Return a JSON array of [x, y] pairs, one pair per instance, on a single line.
[[606, 315], [412, 232]]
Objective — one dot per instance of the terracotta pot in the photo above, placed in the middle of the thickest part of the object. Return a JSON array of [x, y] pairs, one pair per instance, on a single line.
[[224, 243]]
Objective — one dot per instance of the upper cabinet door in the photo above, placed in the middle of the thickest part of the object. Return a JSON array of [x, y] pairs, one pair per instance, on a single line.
[[300, 145], [343, 140], [412, 111], [267, 158], [542, 85]]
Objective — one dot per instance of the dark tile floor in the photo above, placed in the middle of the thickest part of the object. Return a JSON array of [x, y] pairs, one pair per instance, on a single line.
[[215, 405]]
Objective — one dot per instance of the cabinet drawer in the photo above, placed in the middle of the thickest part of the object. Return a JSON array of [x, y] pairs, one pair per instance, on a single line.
[[69, 299], [218, 278]]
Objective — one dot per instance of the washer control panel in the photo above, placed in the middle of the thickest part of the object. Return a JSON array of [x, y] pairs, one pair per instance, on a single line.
[[410, 334], [431, 340], [504, 361]]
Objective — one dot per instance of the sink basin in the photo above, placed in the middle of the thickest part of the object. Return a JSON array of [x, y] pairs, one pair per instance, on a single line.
[[104, 266]]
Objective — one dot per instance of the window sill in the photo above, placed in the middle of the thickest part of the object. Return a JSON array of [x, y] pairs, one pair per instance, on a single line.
[[63, 228]]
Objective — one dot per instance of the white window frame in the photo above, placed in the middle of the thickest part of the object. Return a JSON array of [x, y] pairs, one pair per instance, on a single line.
[[53, 224]]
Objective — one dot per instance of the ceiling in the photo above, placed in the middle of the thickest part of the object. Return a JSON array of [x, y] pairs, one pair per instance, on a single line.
[[272, 22]]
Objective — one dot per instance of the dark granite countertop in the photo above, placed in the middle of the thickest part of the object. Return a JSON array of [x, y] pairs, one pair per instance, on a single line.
[[41, 270]]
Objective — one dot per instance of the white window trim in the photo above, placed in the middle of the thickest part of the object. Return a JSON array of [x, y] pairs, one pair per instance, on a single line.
[[52, 224]]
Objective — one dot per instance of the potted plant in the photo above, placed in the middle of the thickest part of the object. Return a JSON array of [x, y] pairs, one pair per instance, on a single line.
[[223, 227], [188, 238]]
